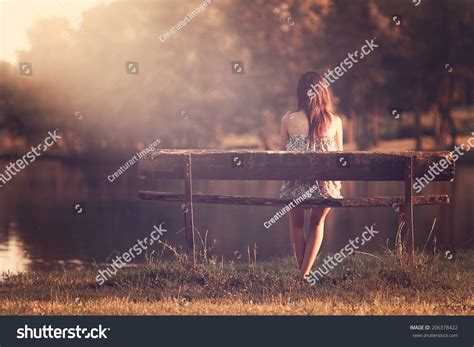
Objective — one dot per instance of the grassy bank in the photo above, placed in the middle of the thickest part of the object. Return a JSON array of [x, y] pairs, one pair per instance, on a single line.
[[362, 285]]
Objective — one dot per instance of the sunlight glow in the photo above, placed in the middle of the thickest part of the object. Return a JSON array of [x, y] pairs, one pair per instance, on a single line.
[[13, 256], [17, 16]]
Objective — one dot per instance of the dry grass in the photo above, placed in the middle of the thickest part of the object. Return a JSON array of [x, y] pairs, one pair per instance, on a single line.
[[363, 285], [126, 306]]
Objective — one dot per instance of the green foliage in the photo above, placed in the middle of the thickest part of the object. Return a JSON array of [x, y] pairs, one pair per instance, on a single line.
[[185, 93]]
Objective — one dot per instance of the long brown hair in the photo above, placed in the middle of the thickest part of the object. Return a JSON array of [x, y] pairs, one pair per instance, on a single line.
[[313, 98]]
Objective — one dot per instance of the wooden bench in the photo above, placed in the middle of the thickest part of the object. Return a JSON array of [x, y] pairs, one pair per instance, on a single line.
[[190, 165]]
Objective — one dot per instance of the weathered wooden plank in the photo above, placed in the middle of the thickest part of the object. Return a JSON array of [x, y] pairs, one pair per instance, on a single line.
[[280, 165], [390, 201]]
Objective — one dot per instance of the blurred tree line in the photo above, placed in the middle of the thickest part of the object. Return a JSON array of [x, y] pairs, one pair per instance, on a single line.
[[187, 95]]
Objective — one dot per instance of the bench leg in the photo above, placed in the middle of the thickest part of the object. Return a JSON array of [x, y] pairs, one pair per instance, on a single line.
[[409, 208], [188, 214]]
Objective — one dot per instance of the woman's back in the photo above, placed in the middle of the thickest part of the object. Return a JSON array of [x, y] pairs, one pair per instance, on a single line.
[[295, 138], [296, 126]]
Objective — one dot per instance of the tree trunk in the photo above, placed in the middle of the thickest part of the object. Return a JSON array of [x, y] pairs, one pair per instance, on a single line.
[[375, 128], [452, 126], [418, 128]]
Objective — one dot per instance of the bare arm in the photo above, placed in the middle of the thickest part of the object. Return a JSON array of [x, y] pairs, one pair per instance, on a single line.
[[283, 134], [339, 142]]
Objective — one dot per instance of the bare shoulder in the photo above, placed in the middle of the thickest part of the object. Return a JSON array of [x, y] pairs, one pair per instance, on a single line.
[[286, 118], [294, 116], [337, 120]]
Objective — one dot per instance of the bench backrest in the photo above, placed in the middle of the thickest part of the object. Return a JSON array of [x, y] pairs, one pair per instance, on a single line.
[[282, 165]]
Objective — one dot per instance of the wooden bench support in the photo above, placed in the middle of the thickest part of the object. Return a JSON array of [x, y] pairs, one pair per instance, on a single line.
[[387, 201], [188, 212], [408, 208]]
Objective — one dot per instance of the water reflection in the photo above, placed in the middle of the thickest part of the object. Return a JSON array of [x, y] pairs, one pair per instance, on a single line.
[[40, 228], [14, 256]]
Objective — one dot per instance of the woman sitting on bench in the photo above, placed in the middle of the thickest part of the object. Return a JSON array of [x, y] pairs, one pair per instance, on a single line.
[[312, 127]]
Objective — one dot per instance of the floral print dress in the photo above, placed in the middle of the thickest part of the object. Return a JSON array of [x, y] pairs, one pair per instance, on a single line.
[[324, 189]]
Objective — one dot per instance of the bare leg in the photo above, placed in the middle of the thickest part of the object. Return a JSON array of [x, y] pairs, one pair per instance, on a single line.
[[315, 238], [297, 237]]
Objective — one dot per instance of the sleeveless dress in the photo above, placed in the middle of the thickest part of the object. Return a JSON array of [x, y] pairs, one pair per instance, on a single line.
[[324, 189]]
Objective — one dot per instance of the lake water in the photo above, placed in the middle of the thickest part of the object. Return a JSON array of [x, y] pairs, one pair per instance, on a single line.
[[39, 226]]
